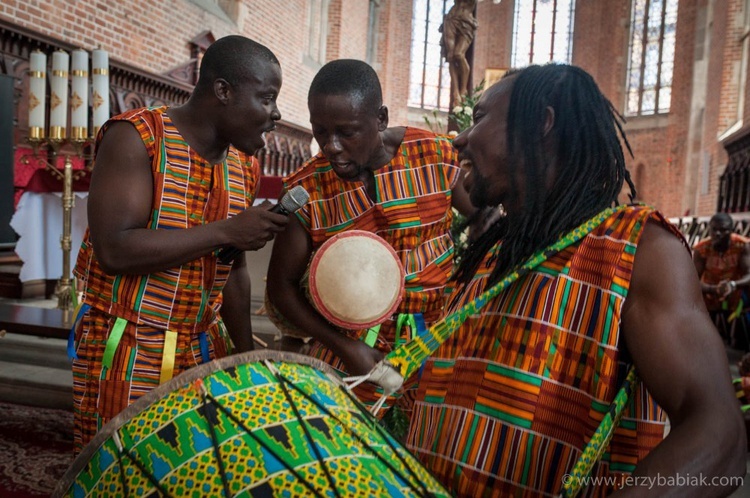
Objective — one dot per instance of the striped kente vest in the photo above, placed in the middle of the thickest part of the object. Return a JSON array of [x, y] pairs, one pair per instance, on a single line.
[[506, 405], [188, 192], [412, 211]]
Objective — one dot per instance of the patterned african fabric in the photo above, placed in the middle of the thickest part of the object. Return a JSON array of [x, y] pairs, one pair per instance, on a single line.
[[185, 300], [100, 393], [188, 192], [411, 211], [506, 405], [722, 266]]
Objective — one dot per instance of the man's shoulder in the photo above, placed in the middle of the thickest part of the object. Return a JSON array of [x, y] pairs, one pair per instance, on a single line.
[[142, 113], [429, 147], [313, 169]]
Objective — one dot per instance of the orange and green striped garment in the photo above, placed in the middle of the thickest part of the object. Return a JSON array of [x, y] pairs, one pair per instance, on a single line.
[[506, 405], [188, 192], [721, 266], [412, 211]]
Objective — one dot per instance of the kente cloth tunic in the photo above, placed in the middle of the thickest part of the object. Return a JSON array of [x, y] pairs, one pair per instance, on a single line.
[[506, 405], [722, 266], [185, 300], [411, 212]]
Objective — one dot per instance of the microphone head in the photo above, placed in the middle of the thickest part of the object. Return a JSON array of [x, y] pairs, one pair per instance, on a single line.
[[294, 199]]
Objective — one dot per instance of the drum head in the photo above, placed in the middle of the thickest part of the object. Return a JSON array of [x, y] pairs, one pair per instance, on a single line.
[[356, 280]]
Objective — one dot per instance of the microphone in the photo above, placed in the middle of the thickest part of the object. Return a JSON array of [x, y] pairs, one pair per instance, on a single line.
[[289, 203]]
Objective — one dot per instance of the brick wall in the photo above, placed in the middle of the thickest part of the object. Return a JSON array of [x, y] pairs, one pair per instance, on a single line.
[[671, 151], [127, 30]]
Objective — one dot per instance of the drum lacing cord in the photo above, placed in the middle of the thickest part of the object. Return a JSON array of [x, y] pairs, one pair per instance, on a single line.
[[212, 420], [276, 373], [386, 438], [265, 446], [122, 451]]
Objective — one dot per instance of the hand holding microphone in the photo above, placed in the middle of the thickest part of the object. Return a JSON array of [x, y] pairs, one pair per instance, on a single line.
[[289, 203]]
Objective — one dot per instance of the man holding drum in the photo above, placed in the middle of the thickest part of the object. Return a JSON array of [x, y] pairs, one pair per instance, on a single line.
[[171, 187], [584, 290], [398, 183]]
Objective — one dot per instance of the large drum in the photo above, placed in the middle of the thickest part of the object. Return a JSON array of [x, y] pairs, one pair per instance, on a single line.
[[356, 280], [262, 423]]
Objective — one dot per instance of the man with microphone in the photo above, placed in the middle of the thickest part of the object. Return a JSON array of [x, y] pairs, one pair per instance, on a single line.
[[171, 187]]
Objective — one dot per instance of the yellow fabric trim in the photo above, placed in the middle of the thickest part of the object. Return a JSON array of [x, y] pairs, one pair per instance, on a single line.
[[167, 362]]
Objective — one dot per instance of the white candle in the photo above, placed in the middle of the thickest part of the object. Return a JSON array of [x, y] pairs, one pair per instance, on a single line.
[[100, 83], [79, 96], [37, 92], [58, 99]]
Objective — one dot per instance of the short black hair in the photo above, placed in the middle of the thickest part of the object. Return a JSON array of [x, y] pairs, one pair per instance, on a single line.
[[349, 77], [233, 58], [723, 218], [589, 159]]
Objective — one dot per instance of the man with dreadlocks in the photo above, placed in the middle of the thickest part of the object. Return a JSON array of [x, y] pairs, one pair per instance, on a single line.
[[507, 404]]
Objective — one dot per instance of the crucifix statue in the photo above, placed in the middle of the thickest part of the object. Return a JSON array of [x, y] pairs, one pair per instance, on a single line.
[[458, 28]]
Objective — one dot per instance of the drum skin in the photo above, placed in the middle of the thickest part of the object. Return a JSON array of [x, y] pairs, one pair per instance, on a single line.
[[261, 423], [356, 280]]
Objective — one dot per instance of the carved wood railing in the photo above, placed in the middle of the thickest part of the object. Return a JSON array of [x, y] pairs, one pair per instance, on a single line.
[[695, 228], [287, 147]]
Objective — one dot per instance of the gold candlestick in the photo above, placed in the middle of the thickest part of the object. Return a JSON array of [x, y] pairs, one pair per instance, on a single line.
[[65, 287]]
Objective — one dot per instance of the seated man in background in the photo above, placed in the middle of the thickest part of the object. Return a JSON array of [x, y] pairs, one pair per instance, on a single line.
[[723, 264], [508, 403], [399, 183], [170, 188]]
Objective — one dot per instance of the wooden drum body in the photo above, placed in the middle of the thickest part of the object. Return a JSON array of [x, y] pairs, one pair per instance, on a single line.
[[262, 423]]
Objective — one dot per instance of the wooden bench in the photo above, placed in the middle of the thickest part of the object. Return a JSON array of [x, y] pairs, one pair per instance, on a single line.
[[31, 320]]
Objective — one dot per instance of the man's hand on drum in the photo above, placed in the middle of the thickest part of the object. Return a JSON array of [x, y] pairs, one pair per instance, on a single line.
[[358, 357], [251, 229]]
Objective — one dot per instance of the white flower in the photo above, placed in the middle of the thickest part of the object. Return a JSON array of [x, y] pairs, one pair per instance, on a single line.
[[468, 110], [453, 133], [457, 110]]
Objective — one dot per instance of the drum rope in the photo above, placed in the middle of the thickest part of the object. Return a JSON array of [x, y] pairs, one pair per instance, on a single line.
[[123, 479], [123, 451], [407, 359], [386, 437], [212, 419], [265, 446], [303, 423]]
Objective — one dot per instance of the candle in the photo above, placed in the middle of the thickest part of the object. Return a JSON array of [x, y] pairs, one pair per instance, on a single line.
[[37, 92], [79, 96], [58, 99], [100, 83]]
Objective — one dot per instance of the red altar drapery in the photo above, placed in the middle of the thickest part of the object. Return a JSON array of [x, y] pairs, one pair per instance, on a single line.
[[30, 173]]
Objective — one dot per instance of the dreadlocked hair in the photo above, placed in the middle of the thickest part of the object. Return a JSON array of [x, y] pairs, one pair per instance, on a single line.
[[588, 157]]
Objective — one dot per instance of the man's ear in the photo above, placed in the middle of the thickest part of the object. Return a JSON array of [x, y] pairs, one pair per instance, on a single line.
[[382, 118], [222, 90], [549, 121]]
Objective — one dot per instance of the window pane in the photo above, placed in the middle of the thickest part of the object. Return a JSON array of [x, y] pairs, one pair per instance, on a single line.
[[650, 70], [543, 31], [427, 69], [649, 101], [665, 98], [633, 102]]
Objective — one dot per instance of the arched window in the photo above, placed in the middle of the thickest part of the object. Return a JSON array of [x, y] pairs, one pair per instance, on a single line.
[[429, 79], [543, 31], [652, 43]]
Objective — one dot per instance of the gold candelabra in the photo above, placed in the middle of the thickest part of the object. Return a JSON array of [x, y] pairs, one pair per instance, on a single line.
[[67, 149]]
